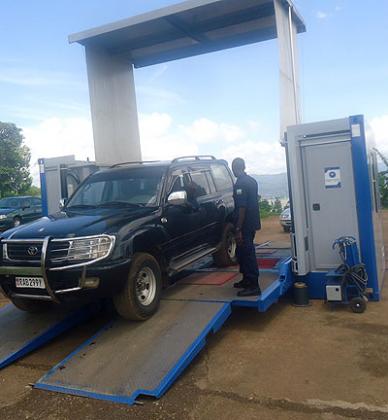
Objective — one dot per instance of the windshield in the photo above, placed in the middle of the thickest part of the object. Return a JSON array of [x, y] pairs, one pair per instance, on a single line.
[[136, 187], [10, 202]]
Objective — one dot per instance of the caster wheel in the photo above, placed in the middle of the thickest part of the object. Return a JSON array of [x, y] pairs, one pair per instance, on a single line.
[[358, 305]]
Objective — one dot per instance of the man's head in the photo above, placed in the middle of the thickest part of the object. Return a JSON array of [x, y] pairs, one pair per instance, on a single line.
[[238, 167]]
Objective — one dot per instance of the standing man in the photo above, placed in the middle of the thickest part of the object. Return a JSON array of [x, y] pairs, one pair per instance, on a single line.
[[247, 222]]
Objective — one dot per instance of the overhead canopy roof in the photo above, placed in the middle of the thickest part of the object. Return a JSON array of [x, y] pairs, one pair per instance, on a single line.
[[186, 29]]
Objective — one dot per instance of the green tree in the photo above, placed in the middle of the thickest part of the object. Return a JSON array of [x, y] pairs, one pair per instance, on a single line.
[[277, 206], [383, 184], [265, 207], [383, 181], [14, 161], [34, 191]]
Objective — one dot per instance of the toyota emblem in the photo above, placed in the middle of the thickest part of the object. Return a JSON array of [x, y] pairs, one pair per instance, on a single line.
[[32, 251]]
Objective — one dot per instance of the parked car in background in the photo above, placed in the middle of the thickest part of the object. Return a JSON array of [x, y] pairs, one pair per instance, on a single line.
[[285, 220], [122, 235], [17, 210]]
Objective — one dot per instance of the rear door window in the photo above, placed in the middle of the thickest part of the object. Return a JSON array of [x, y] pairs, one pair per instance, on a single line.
[[211, 182], [222, 177], [199, 184], [26, 203]]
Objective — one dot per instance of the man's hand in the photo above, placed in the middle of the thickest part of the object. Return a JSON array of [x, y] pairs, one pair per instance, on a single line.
[[239, 238]]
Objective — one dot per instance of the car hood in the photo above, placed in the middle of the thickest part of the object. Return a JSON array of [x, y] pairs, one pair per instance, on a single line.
[[6, 210], [286, 213], [73, 224]]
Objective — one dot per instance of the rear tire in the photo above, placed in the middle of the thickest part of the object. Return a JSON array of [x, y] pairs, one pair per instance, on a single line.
[[140, 297], [226, 255], [31, 306], [286, 229]]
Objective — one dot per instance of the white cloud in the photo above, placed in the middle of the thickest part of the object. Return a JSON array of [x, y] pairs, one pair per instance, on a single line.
[[321, 15], [205, 131], [261, 157], [54, 137], [162, 139], [379, 127]]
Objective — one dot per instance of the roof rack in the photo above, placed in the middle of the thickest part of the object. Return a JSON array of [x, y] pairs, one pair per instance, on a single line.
[[195, 157], [137, 162]]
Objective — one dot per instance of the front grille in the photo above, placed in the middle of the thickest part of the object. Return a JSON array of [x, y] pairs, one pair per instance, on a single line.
[[58, 251], [24, 251]]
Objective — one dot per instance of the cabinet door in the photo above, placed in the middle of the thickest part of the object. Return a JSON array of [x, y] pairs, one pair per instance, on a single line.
[[330, 200]]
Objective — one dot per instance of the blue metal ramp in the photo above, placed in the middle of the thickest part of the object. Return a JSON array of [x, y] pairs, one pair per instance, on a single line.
[[128, 359], [21, 332]]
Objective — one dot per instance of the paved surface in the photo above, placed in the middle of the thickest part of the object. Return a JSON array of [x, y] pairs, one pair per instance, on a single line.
[[289, 363]]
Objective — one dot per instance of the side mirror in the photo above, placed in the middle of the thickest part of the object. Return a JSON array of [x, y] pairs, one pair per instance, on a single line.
[[177, 198], [62, 203]]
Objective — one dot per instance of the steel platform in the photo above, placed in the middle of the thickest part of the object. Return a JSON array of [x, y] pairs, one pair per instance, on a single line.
[[21, 332], [269, 283], [125, 360]]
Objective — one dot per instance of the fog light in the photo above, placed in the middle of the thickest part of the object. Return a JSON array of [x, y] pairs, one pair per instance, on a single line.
[[90, 282]]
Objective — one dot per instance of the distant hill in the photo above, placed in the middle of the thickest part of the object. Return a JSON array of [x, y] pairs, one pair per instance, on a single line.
[[272, 186]]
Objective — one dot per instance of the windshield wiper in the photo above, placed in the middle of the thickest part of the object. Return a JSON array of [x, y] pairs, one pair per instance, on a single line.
[[81, 206], [120, 204]]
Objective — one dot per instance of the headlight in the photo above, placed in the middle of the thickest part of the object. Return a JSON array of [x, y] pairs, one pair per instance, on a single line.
[[92, 248], [3, 216]]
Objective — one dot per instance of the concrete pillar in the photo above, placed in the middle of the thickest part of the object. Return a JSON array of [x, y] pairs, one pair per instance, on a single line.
[[113, 107]]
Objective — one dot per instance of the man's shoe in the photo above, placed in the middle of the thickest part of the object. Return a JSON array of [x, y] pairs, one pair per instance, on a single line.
[[252, 291], [242, 284]]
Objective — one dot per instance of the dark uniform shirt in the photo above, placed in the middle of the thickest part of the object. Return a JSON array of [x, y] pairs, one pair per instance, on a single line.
[[245, 194]]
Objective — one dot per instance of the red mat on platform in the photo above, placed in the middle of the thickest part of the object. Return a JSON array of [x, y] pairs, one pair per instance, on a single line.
[[264, 263], [211, 279], [267, 262]]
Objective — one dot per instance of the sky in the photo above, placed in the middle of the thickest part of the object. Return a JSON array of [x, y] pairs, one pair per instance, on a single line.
[[225, 103]]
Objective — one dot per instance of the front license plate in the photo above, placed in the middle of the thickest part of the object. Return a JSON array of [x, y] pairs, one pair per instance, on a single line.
[[30, 282]]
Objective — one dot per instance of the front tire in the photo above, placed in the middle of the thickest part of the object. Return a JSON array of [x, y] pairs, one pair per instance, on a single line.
[[31, 306], [17, 221], [140, 297], [226, 255]]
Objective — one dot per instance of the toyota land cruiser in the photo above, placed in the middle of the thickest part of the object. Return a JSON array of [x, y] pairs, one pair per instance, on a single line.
[[123, 234]]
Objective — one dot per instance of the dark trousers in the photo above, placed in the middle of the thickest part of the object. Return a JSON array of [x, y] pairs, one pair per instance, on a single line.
[[246, 257]]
